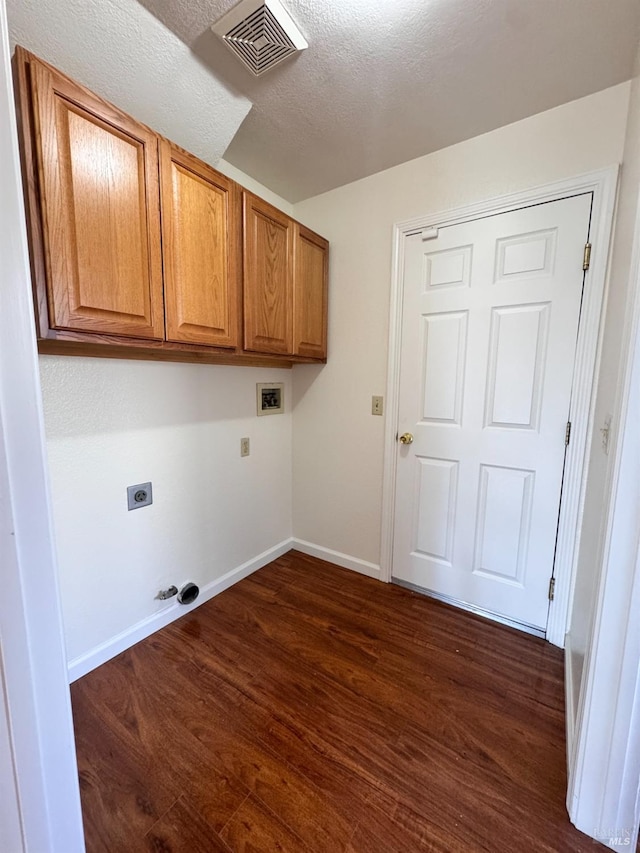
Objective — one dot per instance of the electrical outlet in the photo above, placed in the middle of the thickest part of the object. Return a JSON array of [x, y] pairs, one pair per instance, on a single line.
[[139, 496], [245, 448], [377, 404]]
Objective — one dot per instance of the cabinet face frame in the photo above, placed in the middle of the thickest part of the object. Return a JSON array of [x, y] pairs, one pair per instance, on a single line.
[[223, 275], [268, 280], [29, 168], [51, 92], [311, 293]]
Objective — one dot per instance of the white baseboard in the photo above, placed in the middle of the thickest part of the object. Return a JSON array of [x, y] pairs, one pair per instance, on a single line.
[[105, 651], [343, 560]]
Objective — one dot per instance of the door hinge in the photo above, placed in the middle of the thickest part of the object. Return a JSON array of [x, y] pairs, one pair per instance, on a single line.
[[567, 434], [552, 588], [586, 258]]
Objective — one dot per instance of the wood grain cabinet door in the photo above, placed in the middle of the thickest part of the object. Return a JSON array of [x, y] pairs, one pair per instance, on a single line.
[[268, 277], [311, 276], [100, 209], [200, 238]]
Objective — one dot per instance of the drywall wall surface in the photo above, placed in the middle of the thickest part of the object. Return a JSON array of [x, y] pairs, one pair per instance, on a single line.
[[614, 353], [254, 186], [123, 53], [114, 423], [338, 444]]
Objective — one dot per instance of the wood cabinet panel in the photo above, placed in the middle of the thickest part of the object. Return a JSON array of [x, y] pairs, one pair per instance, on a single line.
[[268, 277], [311, 271], [200, 234], [99, 195]]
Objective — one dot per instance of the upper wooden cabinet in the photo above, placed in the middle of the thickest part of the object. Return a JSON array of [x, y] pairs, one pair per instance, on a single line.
[[268, 242], [201, 245], [100, 214], [311, 276], [140, 250], [285, 283]]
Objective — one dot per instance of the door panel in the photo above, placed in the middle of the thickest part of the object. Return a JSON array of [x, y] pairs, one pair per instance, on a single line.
[[436, 503], [445, 337], [101, 226], [490, 321], [447, 268], [517, 356], [311, 277], [503, 522], [200, 225], [268, 277]]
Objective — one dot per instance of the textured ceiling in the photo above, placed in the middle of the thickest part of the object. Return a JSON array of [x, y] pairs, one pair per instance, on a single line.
[[388, 81], [380, 83], [122, 52]]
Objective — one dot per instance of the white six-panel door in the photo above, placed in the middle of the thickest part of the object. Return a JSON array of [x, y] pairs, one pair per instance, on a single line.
[[490, 320]]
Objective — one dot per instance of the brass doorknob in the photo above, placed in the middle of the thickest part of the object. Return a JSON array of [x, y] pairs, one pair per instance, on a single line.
[[405, 438]]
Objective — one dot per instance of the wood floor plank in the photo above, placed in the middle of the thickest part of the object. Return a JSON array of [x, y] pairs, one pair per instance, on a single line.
[[118, 783], [236, 745], [227, 735], [311, 708], [382, 833], [148, 723], [254, 829], [182, 830]]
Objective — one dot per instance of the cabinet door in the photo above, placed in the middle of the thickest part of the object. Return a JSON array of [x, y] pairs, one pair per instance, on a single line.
[[100, 209], [200, 244], [268, 278], [311, 276]]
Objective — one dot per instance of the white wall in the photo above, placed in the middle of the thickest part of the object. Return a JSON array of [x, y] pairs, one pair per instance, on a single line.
[[590, 558], [604, 765], [338, 444], [113, 423], [604, 641], [254, 186]]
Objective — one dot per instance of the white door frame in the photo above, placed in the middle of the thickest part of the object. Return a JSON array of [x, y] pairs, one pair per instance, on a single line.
[[603, 797], [603, 185], [35, 689]]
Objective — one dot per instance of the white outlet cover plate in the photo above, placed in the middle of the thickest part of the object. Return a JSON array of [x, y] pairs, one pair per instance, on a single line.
[[135, 499]]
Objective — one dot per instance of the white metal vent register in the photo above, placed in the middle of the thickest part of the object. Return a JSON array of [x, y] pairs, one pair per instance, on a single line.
[[261, 33]]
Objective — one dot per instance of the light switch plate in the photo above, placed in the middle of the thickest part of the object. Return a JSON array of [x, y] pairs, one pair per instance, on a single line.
[[377, 405], [139, 496]]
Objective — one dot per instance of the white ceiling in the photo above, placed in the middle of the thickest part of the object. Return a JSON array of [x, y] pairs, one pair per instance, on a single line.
[[122, 52], [382, 82]]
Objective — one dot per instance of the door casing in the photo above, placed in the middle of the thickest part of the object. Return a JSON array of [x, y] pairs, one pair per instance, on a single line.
[[603, 184], [34, 688]]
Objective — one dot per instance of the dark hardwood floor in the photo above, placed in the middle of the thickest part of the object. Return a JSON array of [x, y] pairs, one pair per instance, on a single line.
[[309, 708]]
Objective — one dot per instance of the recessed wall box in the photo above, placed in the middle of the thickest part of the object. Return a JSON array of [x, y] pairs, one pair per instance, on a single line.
[[270, 398]]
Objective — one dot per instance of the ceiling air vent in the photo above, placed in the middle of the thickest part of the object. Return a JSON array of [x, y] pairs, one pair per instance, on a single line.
[[261, 33]]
